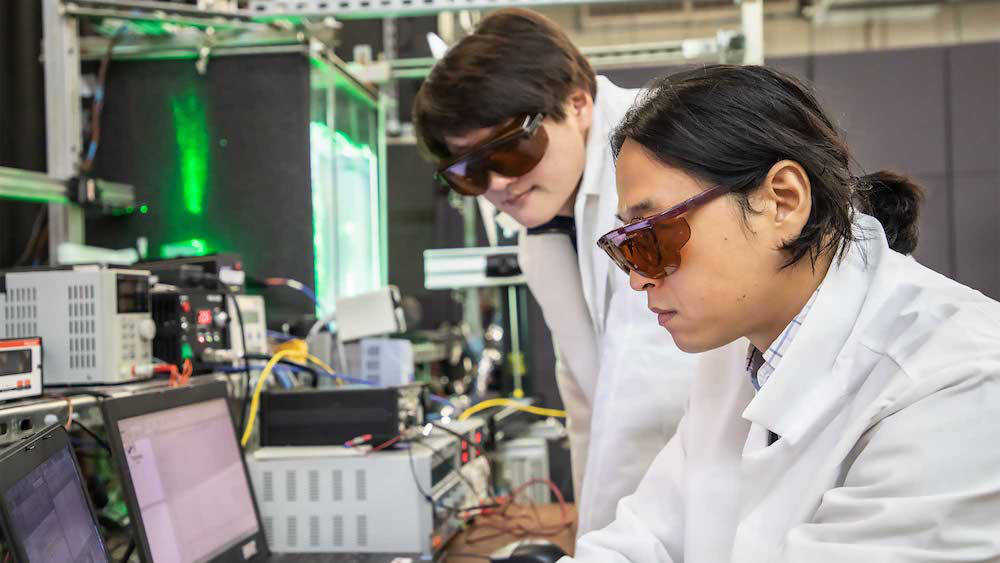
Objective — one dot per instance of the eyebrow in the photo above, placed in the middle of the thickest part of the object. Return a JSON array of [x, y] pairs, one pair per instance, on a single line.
[[634, 211]]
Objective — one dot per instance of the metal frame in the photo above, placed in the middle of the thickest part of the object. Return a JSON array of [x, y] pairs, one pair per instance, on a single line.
[[28, 185], [61, 55], [369, 9]]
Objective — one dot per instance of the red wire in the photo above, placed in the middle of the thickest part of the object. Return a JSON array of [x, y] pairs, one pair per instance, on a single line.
[[504, 522], [385, 444]]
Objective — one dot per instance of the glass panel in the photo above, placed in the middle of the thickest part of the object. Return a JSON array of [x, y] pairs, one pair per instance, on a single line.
[[348, 212]]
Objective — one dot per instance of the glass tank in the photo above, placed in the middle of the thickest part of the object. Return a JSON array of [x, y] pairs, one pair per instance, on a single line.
[[348, 185]]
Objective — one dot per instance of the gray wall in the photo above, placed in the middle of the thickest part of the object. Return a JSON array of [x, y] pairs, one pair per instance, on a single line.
[[933, 114]]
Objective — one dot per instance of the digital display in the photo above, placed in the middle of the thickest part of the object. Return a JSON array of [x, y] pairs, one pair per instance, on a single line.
[[133, 294], [204, 316], [251, 317], [15, 361]]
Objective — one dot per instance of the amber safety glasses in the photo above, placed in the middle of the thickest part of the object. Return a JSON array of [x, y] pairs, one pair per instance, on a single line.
[[513, 151], [652, 246]]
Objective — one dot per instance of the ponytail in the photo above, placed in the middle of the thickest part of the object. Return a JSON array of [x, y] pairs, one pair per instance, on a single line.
[[895, 201]]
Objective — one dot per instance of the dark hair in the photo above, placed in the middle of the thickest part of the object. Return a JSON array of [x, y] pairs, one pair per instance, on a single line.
[[728, 125], [516, 62]]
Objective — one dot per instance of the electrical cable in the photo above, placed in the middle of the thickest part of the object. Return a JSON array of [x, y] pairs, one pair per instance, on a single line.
[[293, 284], [459, 436], [255, 401], [290, 363], [128, 552], [472, 488], [327, 370], [243, 341], [441, 400], [279, 335], [98, 109], [93, 435], [490, 403], [36, 231]]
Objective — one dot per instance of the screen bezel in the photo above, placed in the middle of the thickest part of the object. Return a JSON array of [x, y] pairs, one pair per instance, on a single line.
[[20, 459], [157, 400]]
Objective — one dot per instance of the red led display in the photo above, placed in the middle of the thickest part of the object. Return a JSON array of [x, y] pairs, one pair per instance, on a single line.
[[204, 316]]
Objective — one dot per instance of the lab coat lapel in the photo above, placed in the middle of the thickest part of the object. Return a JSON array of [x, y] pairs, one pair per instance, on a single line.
[[805, 388], [597, 200], [805, 394]]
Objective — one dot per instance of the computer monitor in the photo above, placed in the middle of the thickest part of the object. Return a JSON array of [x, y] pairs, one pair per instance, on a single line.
[[46, 515], [185, 482]]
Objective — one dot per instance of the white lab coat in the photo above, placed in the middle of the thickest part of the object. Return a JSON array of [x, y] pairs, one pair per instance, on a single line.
[[623, 382], [887, 404]]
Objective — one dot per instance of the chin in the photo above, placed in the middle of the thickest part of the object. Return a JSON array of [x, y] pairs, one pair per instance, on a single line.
[[693, 345], [530, 219]]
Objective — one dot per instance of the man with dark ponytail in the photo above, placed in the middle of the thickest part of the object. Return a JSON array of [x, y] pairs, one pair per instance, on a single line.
[[859, 422]]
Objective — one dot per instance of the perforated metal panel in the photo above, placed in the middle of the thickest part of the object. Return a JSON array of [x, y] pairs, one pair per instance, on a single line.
[[20, 310], [361, 484], [292, 531], [314, 486], [268, 487], [338, 485], [269, 529], [314, 531], [338, 531], [362, 537], [291, 491]]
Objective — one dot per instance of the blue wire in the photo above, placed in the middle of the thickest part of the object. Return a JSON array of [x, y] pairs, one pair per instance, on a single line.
[[279, 335], [441, 400], [345, 378], [230, 369], [310, 294]]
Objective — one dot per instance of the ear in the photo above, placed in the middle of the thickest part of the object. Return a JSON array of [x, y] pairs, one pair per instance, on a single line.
[[786, 199], [580, 108]]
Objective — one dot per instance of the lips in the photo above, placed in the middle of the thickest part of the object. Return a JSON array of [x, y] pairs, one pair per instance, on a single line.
[[663, 316]]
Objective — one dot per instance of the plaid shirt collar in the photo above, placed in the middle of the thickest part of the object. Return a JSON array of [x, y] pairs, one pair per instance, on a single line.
[[760, 366]]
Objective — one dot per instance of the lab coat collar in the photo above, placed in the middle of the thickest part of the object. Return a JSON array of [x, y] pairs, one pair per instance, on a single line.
[[609, 108], [597, 197], [807, 387]]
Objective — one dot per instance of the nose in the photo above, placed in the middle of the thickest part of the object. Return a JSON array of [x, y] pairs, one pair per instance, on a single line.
[[640, 282], [499, 182]]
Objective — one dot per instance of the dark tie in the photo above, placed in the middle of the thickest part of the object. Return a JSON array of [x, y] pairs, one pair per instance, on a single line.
[[757, 360]]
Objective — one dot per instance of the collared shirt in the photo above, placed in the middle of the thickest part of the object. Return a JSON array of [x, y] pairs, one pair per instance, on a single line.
[[559, 224], [760, 366]]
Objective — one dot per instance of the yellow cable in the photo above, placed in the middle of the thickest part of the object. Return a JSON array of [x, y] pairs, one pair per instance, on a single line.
[[255, 402], [298, 352], [489, 403], [323, 365]]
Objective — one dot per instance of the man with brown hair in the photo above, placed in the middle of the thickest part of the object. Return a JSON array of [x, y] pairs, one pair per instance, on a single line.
[[516, 114]]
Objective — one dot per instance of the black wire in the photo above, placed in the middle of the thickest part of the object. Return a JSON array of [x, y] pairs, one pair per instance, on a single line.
[[416, 479], [489, 485], [423, 493], [243, 341], [303, 367], [91, 433], [460, 437], [128, 552], [36, 231]]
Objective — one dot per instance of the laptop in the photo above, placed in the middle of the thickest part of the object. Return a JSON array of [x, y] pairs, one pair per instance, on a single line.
[[185, 480], [45, 512]]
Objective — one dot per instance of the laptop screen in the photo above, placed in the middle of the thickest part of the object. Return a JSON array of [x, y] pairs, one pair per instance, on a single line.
[[189, 482], [49, 514]]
